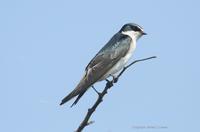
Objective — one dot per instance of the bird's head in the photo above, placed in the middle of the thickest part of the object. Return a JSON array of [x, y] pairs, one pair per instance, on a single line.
[[133, 30]]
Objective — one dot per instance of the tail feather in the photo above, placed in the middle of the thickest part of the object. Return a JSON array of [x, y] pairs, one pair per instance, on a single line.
[[81, 88], [77, 99], [74, 93]]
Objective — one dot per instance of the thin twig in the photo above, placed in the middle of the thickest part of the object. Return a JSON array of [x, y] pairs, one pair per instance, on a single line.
[[134, 63], [109, 84]]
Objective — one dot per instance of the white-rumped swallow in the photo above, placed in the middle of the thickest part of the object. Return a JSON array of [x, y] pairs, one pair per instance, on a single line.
[[109, 60]]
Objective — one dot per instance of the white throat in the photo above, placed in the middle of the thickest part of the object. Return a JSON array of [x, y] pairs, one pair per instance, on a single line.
[[123, 61], [134, 35]]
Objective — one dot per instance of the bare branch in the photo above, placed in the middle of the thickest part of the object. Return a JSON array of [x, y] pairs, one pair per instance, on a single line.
[[109, 84], [134, 63]]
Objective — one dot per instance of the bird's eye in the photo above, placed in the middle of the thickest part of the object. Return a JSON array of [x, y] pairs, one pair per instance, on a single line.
[[136, 28]]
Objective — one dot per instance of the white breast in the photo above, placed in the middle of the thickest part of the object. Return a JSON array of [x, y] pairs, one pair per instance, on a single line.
[[123, 61]]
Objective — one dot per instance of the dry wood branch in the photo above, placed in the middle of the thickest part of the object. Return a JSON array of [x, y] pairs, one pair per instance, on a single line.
[[109, 84]]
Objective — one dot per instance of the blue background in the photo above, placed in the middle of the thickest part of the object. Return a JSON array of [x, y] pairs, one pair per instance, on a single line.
[[45, 46]]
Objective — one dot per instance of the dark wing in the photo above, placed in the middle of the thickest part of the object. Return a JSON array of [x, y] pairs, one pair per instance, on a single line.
[[104, 60], [117, 47]]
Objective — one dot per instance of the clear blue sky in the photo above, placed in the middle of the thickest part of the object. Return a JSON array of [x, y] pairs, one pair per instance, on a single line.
[[45, 46]]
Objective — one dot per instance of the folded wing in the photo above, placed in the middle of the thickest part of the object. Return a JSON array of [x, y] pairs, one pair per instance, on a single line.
[[105, 59]]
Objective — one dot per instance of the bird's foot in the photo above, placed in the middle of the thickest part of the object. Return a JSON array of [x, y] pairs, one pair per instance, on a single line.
[[109, 83], [115, 79]]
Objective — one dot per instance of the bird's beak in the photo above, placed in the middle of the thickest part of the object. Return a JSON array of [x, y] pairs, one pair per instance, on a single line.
[[143, 33]]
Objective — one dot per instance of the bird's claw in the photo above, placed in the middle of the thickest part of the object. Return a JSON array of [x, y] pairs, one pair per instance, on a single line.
[[109, 83], [115, 80]]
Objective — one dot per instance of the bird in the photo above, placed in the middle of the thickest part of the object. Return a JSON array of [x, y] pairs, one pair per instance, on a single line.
[[111, 59]]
